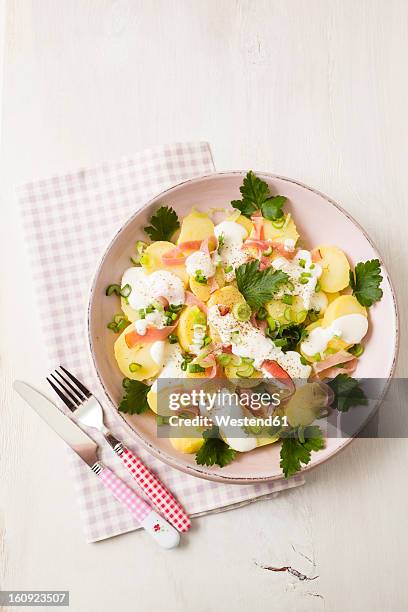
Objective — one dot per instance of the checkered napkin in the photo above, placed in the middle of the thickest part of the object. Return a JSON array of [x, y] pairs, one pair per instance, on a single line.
[[68, 221]]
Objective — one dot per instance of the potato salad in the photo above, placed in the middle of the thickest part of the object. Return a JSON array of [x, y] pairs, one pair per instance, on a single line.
[[235, 298]]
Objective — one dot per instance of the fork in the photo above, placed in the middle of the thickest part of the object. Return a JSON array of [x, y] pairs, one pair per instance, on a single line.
[[88, 411]]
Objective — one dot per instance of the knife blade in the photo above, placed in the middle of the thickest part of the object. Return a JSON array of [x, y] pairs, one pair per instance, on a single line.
[[152, 522], [71, 433]]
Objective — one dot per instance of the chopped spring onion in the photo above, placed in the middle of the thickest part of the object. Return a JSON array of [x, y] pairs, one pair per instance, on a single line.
[[207, 340], [118, 324], [287, 299], [200, 278], [113, 289], [224, 359], [228, 269], [235, 337], [300, 316], [303, 280], [261, 314], [317, 288], [303, 361], [134, 367], [267, 252], [302, 263], [241, 311], [357, 350], [271, 323], [246, 372], [126, 382], [279, 223], [288, 314], [173, 339], [317, 357], [126, 291], [194, 368]]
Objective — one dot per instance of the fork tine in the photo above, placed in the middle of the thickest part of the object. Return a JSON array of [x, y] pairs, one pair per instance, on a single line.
[[66, 401], [82, 387], [74, 400], [77, 392]]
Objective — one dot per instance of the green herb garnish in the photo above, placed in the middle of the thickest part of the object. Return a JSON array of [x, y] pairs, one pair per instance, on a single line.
[[214, 451], [365, 282], [258, 286], [134, 400], [256, 196], [164, 223], [297, 447], [347, 392]]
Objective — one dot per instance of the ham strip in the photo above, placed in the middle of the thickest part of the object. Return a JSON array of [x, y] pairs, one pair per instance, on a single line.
[[278, 373], [258, 222], [173, 257], [348, 368], [192, 300], [332, 360], [153, 334]]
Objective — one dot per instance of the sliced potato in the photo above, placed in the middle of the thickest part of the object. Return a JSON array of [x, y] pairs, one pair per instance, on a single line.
[[139, 354], [187, 445], [191, 316], [227, 296], [285, 313], [336, 269], [245, 222], [267, 440], [280, 234], [219, 277], [151, 260], [152, 401], [131, 313], [196, 226], [304, 406], [203, 292], [341, 306], [332, 296]]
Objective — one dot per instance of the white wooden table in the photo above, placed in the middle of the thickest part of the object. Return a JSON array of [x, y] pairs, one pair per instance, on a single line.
[[316, 90]]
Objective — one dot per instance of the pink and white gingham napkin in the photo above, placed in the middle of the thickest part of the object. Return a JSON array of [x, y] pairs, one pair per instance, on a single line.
[[68, 220]]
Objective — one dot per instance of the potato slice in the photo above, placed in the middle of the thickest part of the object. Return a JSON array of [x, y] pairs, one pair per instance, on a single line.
[[151, 260], [341, 306], [336, 269], [187, 445], [228, 296], [191, 316], [304, 406], [332, 296], [280, 234], [245, 222], [139, 354], [131, 313], [203, 292], [196, 226]]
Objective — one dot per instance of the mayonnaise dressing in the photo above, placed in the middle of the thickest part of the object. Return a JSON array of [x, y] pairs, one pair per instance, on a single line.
[[146, 288], [351, 328], [231, 252], [173, 359], [200, 262], [248, 341], [157, 350], [295, 272]]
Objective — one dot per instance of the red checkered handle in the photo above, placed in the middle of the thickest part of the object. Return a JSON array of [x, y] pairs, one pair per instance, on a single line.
[[155, 490]]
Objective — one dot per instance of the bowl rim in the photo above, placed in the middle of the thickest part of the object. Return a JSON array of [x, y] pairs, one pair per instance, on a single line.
[[200, 471]]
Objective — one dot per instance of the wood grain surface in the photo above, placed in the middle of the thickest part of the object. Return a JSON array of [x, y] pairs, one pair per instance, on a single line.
[[316, 90]]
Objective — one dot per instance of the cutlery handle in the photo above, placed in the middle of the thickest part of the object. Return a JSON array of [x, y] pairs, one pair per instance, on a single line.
[[155, 490], [153, 523]]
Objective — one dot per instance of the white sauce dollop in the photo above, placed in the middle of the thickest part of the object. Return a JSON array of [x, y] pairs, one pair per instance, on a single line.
[[146, 288], [351, 328], [155, 319], [295, 271], [231, 252], [200, 262], [251, 342], [157, 350]]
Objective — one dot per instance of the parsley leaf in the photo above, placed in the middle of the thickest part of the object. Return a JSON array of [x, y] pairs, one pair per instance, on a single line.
[[214, 451], [365, 282], [258, 286], [272, 208], [347, 392], [134, 400], [294, 452], [256, 195], [164, 223]]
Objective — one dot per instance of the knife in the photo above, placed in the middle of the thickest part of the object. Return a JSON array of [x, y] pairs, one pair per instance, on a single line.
[[155, 525]]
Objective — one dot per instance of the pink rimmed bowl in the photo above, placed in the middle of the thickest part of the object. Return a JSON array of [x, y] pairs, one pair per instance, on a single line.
[[319, 221]]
